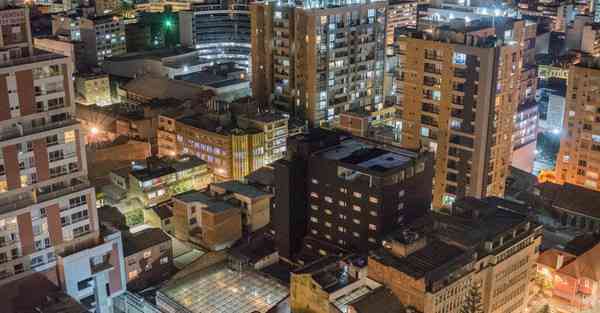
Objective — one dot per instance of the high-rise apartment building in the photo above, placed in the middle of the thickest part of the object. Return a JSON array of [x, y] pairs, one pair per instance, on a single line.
[[102, 36], [578, 159], [458, 89], [318, 59], [48, 217], [480, 244]]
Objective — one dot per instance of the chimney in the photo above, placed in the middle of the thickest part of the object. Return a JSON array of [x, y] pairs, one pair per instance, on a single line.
[[560, 259]]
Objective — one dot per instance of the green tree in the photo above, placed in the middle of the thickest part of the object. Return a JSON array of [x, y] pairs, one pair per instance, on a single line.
[[472, 302]]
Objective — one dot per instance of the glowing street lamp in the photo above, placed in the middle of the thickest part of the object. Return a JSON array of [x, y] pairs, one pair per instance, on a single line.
[[94, 130]]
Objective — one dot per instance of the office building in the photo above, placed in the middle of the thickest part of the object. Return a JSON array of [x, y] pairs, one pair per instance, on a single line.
[[230, 151], [459, 92], [219, 30], [318, 59], [580, 144], [480, 245]]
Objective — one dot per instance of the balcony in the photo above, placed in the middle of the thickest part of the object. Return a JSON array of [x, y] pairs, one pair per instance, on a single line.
[[20, 131], [76, 185], [100, 264]]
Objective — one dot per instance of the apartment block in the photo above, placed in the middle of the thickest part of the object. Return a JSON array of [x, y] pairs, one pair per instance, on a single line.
[[160, 179], [316, 60], [103, 36], [400, 14], [231, 152], [255, 204], [346, 192], [148, 258], [48, 215], [480, 245], [93, 89], [577, 161], [206, 219], [458, 89]]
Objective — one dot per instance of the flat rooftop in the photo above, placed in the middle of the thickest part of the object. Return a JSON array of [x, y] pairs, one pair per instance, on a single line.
[[242, 189], [218, 289], [368, 157], [213, 204], [435, 256]]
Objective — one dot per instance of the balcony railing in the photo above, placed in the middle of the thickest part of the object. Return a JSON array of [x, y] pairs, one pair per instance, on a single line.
[[19, 131]]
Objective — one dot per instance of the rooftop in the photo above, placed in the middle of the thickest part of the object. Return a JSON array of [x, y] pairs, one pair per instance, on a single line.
[[142, 240], [218, 289], [369, 157], [213, 204], [242, 189], [328, 272], [201, 121], [266, 117], [163, 210], [162, 88], [36, 294], [210, 79], [380, 300], [155, 167], [571, 197]]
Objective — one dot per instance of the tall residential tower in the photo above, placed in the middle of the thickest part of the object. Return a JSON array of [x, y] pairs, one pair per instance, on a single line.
[[458, 89], [318, 59]]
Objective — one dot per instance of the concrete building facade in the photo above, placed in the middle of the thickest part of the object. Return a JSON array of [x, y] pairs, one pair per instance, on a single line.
[[317, 61], [459, 92]]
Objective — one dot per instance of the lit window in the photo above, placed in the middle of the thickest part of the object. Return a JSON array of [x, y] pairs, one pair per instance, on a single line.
[[314, 181], [314, 195], [147, 254], [459, 58], [342, 216], [314, 231], [372, 227], [357, 194], [355, 234], [328, 211], [371, 239], [164, 260], [356, 221], [328, 236], [356, 208], [69, 136], [314, 219], [341, 229], [327, 224], [373, 200], [401, 193], [373, 213], [342, 203], [328, 199], [343, 190], [314, 207], [132, 275]]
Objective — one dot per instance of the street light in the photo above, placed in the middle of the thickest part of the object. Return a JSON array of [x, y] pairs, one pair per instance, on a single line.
[[94, 130]]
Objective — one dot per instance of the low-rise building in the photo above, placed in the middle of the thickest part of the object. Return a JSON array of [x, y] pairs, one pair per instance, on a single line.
[[93, 272], [160, 179], [206, 220], [571, 273], [168, 62], [230, 151], [255, 203], [93, 89], [148, 258], [275, 127], [574, 206], [37, 294], [160, 216], [329, 284]]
